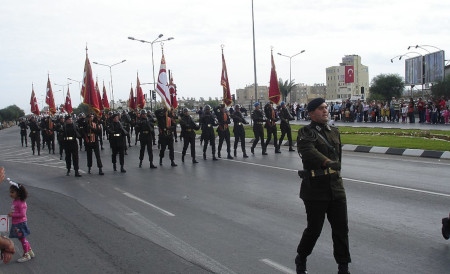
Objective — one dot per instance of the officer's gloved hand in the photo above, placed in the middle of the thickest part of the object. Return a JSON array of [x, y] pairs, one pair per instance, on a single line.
[[333, 165]]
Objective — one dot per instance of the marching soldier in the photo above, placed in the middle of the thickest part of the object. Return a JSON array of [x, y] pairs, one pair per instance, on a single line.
[[224, 132], [59, 135], [207, 123], [42, 127], [166, 125], [35, 135], [322, 190], [23, 132], [188, 128], [126, 122], [81, 124], [117, 142], [92, 131], [49, 132], [271, 126], [145, 129], [238, 130], [285, 117], [174, 119], [100, 120], [71, 134], [258, 129]]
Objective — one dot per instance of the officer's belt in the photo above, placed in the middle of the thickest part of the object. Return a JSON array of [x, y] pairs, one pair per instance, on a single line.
[[116, 135], [33, 132], [260, 123], [321, 172], [239, 123], [188, 129], [209, 125], [145, 132], [69, 138]]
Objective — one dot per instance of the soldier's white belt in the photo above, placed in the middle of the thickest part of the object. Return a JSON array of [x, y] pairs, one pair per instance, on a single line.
[[145, 132], [260, 123], [69, 138], [321, 172], [239, 123], [209, 125], [116, 135]]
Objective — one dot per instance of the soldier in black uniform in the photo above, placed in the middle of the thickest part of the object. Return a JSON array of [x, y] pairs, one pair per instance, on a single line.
[[322, 189], [224, 132], [116, 140], [271, 126], [285, 116], [188, 128], [174, 119], [126, 122], [166, 125], [23, 132], [49, 133], [207, 123], [238, 130], [100, 120], [92, 131], [145, 129], [59, 135], [43, 135], [258, 129], [80, 124], [35, 135], [70, 134]]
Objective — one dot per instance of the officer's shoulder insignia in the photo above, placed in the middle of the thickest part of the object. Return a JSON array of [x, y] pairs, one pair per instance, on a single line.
[[308, 134]]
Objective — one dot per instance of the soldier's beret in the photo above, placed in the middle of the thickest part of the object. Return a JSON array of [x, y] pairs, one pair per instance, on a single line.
[[114, 115], [256, 104], [67, 117], [315, 104]]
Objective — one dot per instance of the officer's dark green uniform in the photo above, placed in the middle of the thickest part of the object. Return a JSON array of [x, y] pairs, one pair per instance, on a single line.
[[322, 189]]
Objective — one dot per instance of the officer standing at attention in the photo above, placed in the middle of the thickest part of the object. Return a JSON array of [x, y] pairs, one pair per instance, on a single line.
[[271, 126], [188, 128], [238, 130], [145, 129], [224, 132], [258, 129], [166, 126], [92, 133], [70, 133], [35, 135], [117, 142], [285, 116], [322, 189], [207, 123], [59, 135], [23, 132]]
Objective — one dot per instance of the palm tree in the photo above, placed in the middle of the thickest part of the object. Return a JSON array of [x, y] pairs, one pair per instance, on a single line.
[[286, 87]]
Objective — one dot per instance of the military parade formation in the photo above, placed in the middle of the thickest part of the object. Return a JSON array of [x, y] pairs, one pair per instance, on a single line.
[[75, 133]]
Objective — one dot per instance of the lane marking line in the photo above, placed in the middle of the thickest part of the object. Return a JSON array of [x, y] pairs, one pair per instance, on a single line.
[[129, 195], [278, 266]]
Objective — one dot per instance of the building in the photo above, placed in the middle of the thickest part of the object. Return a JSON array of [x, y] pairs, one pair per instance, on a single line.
[[353, 84], [246, 96], [302, 93]]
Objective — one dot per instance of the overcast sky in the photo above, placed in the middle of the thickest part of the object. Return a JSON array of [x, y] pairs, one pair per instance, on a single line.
[[43, 37]]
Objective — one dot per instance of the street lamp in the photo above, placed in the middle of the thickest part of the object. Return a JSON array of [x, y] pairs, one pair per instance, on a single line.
[[157, 39], [110, 74], [150, 97], [406, 54], [79, 86], [422, 47], [290, 68]]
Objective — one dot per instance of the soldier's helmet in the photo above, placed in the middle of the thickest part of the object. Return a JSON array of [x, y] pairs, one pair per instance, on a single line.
[[207, 108], [143, 111], [185, 110], [237, 106]]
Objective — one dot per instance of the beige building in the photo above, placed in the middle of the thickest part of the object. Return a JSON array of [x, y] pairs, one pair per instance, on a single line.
[[302, 93], [336, 87], [246, 96]]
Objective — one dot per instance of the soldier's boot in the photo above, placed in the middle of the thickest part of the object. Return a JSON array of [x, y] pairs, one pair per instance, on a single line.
[[277, 150], [140, 163], [204, 155], [53, 151], [39, 150], [114, 167], [194, 161], [218, 155], [60, 156], [33, 151], [214, 157], [152, 165], [245, 154], [122, 169], [182, 157], [300, 265], [291, 149], [235, 153], [68, 172], [77, 174], [264, 150], [229, 156], [172, 163], [252, 150], [445, 228], [100, 171], [160, 161], [89, 170], [343, 269]]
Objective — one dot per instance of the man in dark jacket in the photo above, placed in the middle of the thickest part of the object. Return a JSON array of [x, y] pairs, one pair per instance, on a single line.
[[322, 189], [238, 130], [70, 133], [145, 129], [117, 142], [258, 129], [188, 128]]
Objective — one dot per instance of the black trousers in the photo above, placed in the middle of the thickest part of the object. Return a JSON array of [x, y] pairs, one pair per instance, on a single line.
[[272, 131], [258, 130], [93, 147], [36, 142], [23, 137], [188, 139], [224, 135], [146, 142], [239, 137], [166, 141], [336, 212], [50, 139], [286, 131], [71, 149], [118, 149], [212, 141]]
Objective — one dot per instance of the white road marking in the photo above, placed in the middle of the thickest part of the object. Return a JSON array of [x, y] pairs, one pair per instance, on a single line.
[[129, 195], [278, 266]]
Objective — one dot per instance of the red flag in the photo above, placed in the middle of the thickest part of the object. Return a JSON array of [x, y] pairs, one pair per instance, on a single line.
[[162, 88], [68, 103], [34, 103], [140, 99], [88, 90], [225, 84], [349, 74], [99, 97], [105, 101], [49, 99], [274, 89], [131, 100], [173, 92]]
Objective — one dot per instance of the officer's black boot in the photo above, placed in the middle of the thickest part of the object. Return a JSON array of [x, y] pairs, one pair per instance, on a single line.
[[277, 150], [343, 269], [152, 165], [264, 151], [39, 150], [100, 172], [160, 161], [114, 167], [445, 228], [291, 149], [229, 156], [173, 163], [182, 158], [300, 265], [245, 154], [204, 155], [194, 161], [68, 172], [77, 174], [252, 150], [235, 153], [218, 154], [214, 157], [33, 151], [89, 170], [122, 169], [140, 163]]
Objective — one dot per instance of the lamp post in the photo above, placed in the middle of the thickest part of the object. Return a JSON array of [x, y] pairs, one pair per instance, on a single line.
[[406, 54], [110, 74], [151, 98], [290, 68], [422, 47], [157, 39]]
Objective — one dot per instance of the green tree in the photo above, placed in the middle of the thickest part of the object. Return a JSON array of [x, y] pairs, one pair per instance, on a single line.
[[11, 113], [441, 88], [286, 87], [386, 86]]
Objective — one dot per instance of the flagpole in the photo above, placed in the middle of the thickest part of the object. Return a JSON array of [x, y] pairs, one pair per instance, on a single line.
[[254, 53]]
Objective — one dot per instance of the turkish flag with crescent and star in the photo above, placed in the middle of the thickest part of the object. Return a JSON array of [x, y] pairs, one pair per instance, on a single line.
[[349, 74]]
